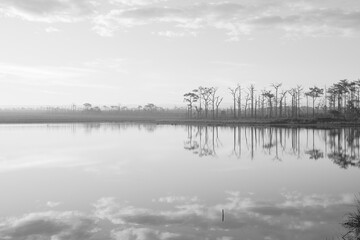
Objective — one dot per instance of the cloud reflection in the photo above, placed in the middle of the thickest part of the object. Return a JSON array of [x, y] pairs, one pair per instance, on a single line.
[[49, 225], [293, 216]]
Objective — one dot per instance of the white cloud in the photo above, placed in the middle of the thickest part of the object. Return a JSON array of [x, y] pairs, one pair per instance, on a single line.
[[236, 19], [173, 34], [173, 199], [142, 234], [52, 204], [49, 225], [47, 10], [136, 2], [289, 18], [51, 30]]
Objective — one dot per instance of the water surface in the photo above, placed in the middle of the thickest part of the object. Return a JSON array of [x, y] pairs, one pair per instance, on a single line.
[[142, 182]]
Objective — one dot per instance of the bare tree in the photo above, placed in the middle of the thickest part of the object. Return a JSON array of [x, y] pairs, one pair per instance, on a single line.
[[217, 103], [239, 89], [206, 93], [282, 97], [213, 98], [293, 94], [233, 92], [276, 86], [247, 99], [252, 90], [299, 89]]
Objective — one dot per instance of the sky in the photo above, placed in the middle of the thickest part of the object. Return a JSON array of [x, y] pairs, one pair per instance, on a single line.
[[134, 52]]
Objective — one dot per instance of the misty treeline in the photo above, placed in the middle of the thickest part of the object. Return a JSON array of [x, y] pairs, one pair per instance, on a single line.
[[340, 100]]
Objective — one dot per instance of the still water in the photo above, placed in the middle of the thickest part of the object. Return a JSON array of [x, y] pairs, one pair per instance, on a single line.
[[148, 182]]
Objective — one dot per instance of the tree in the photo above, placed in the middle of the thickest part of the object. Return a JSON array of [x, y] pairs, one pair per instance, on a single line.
[[307, 94], [252, 90], [214, 99], [293, 94], [276, 86], [233, 92], [150, 107], [239, 89], [190, 98], [282, 97], [206, 93], [315, 92], [247, 98], [87, 106], [217, 103], [299, 89], [269, 96]]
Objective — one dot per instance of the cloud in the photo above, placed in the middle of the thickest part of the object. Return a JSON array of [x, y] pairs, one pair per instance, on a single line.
[[143, 234], [47, 10], [52, 204], [174, 199], [49, 225], [60, 76], [238, 20], [171, 34], [51, 30], [135, 2]]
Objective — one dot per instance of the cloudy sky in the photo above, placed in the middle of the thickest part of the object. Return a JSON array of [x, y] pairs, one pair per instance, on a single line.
[[140, 51]]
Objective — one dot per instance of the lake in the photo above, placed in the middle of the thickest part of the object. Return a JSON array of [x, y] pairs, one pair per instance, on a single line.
[[147, 182]]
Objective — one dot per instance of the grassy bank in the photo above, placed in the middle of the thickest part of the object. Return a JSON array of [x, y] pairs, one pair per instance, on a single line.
[[161, 118]]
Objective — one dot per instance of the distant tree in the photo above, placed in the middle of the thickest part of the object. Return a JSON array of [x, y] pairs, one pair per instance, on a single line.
[[190, 98], [282, 97], [276, 86], [213, 99], [217, 103], [247, 99], [299, 89], [269, 96], [233, 92], [307, 94], [293, 94], [314, 93], [150, 107], [251, 92], [239, 97], [87, 106], [206, 93], [96, 109]]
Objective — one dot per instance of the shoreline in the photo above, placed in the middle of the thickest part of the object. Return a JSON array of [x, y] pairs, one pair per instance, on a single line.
[[284, 122]]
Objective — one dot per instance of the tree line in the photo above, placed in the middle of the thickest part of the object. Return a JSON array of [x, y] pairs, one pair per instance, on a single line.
[[340, 100]]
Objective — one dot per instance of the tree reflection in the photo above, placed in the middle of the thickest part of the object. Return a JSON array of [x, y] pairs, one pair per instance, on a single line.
[[344, 147], [202, 140], [339, 145]]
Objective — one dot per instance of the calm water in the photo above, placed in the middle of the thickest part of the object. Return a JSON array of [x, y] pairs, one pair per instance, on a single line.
[[147, 182]]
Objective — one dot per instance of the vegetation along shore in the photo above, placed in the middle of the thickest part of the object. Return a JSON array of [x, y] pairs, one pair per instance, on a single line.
[[337, 105]]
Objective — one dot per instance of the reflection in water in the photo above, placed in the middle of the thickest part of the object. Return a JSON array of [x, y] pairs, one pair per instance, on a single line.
[[295, 216], [135, 182], [339, 145]]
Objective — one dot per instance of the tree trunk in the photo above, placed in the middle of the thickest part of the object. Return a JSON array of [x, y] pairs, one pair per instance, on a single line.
[[313, 107]]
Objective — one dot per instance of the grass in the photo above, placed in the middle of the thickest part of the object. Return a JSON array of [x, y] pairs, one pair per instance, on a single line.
[[166, 117], [352, 223]]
